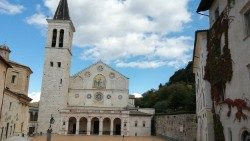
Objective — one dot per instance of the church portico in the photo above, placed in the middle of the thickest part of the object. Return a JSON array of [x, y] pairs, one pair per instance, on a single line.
[[92, 124]]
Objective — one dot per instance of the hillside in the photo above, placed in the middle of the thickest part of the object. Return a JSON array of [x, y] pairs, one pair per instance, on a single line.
[[176, 96]]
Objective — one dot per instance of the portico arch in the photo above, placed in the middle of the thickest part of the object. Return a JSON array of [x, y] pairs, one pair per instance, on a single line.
[[117, 126], [95, 126], [72, 125], [83, 125], [106, 126], [245, 136]]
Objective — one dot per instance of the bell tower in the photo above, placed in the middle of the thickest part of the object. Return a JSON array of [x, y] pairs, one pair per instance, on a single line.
[[56, 71]]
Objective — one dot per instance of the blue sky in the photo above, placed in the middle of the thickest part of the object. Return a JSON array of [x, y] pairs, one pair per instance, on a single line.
[[145, 40]]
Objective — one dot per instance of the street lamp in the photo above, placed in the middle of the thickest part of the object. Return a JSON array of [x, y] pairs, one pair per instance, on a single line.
[[49, 131]]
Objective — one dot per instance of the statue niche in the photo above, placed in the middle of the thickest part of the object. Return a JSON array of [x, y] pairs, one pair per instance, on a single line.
[[99, 82]]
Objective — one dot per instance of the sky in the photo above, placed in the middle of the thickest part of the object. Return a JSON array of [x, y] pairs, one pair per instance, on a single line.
[[145, 40]]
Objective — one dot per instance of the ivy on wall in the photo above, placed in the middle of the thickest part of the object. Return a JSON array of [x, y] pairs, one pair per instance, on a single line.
[[219, 70]]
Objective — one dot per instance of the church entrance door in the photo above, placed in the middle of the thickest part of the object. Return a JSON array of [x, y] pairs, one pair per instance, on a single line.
[[83, 126], [96, 127], [117, 126], [118, 129], [72, 125]]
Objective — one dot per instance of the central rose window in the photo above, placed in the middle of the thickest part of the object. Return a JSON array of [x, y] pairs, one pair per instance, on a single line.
[[99, 96]]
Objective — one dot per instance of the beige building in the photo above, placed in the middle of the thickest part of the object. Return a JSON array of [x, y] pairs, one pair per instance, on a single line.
[[15, 100], [222, 71], [33, 117], [4, 65], [94, 101]]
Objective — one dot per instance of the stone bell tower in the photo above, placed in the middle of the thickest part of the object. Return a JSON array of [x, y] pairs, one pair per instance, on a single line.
[[56, 71]]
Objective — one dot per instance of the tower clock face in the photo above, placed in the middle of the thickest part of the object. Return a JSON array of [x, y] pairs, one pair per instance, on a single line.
[[99, 96]]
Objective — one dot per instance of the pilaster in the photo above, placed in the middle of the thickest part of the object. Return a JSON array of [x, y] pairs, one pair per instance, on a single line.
[[77, 125], [89, 126], [111, 126], [101, 126]]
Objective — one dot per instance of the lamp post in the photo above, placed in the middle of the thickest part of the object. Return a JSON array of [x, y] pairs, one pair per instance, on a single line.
[[49, 131]]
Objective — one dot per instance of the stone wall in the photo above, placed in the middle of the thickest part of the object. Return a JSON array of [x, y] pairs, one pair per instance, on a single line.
[[177, 127], [140, 125]]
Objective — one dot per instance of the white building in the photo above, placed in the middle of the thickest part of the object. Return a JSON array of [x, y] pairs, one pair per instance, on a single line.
[[93, 101], [232, 104]]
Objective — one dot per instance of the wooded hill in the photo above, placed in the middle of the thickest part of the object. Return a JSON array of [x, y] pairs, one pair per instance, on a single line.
[[174, 97]]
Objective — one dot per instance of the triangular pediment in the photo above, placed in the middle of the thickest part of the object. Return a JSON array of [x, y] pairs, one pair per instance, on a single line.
[[95, 66]]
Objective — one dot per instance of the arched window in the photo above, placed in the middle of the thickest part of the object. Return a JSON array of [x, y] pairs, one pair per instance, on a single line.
[[61, 38], [54, 38]]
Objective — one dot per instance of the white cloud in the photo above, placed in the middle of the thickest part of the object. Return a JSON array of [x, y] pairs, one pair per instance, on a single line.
[[141, 64], [35, 96], [137, 95], [127, 29], [37, 19], [9, 8]]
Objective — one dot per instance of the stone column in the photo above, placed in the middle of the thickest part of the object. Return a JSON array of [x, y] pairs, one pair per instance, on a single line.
[[66, 126], [122, 126], [111, 126], [89, 126], [77, 126], [101, 126]]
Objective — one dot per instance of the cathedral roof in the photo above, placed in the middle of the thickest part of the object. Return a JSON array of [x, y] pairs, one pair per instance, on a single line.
[[62, 11], [204, 5]]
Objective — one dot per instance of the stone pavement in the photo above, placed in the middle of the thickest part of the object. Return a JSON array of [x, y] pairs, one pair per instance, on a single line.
[[97, 138], [17, 138]]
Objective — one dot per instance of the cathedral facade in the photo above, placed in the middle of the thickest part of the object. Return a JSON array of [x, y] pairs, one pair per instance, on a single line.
[[94, 101]]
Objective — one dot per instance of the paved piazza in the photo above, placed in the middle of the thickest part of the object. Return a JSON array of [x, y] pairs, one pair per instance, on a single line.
[[97, 138]]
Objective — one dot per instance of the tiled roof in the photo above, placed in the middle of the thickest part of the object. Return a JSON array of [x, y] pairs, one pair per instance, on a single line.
[[19, 95], [17, 64]]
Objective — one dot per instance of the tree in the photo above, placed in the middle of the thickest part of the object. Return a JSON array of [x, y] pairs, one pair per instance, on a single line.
[[178, 95]]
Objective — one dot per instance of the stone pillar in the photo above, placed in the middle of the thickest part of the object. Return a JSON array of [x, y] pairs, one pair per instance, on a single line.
[[122, 126], [101, 126], [77, 126], [66, 126], [89, 126], [111, 126]]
